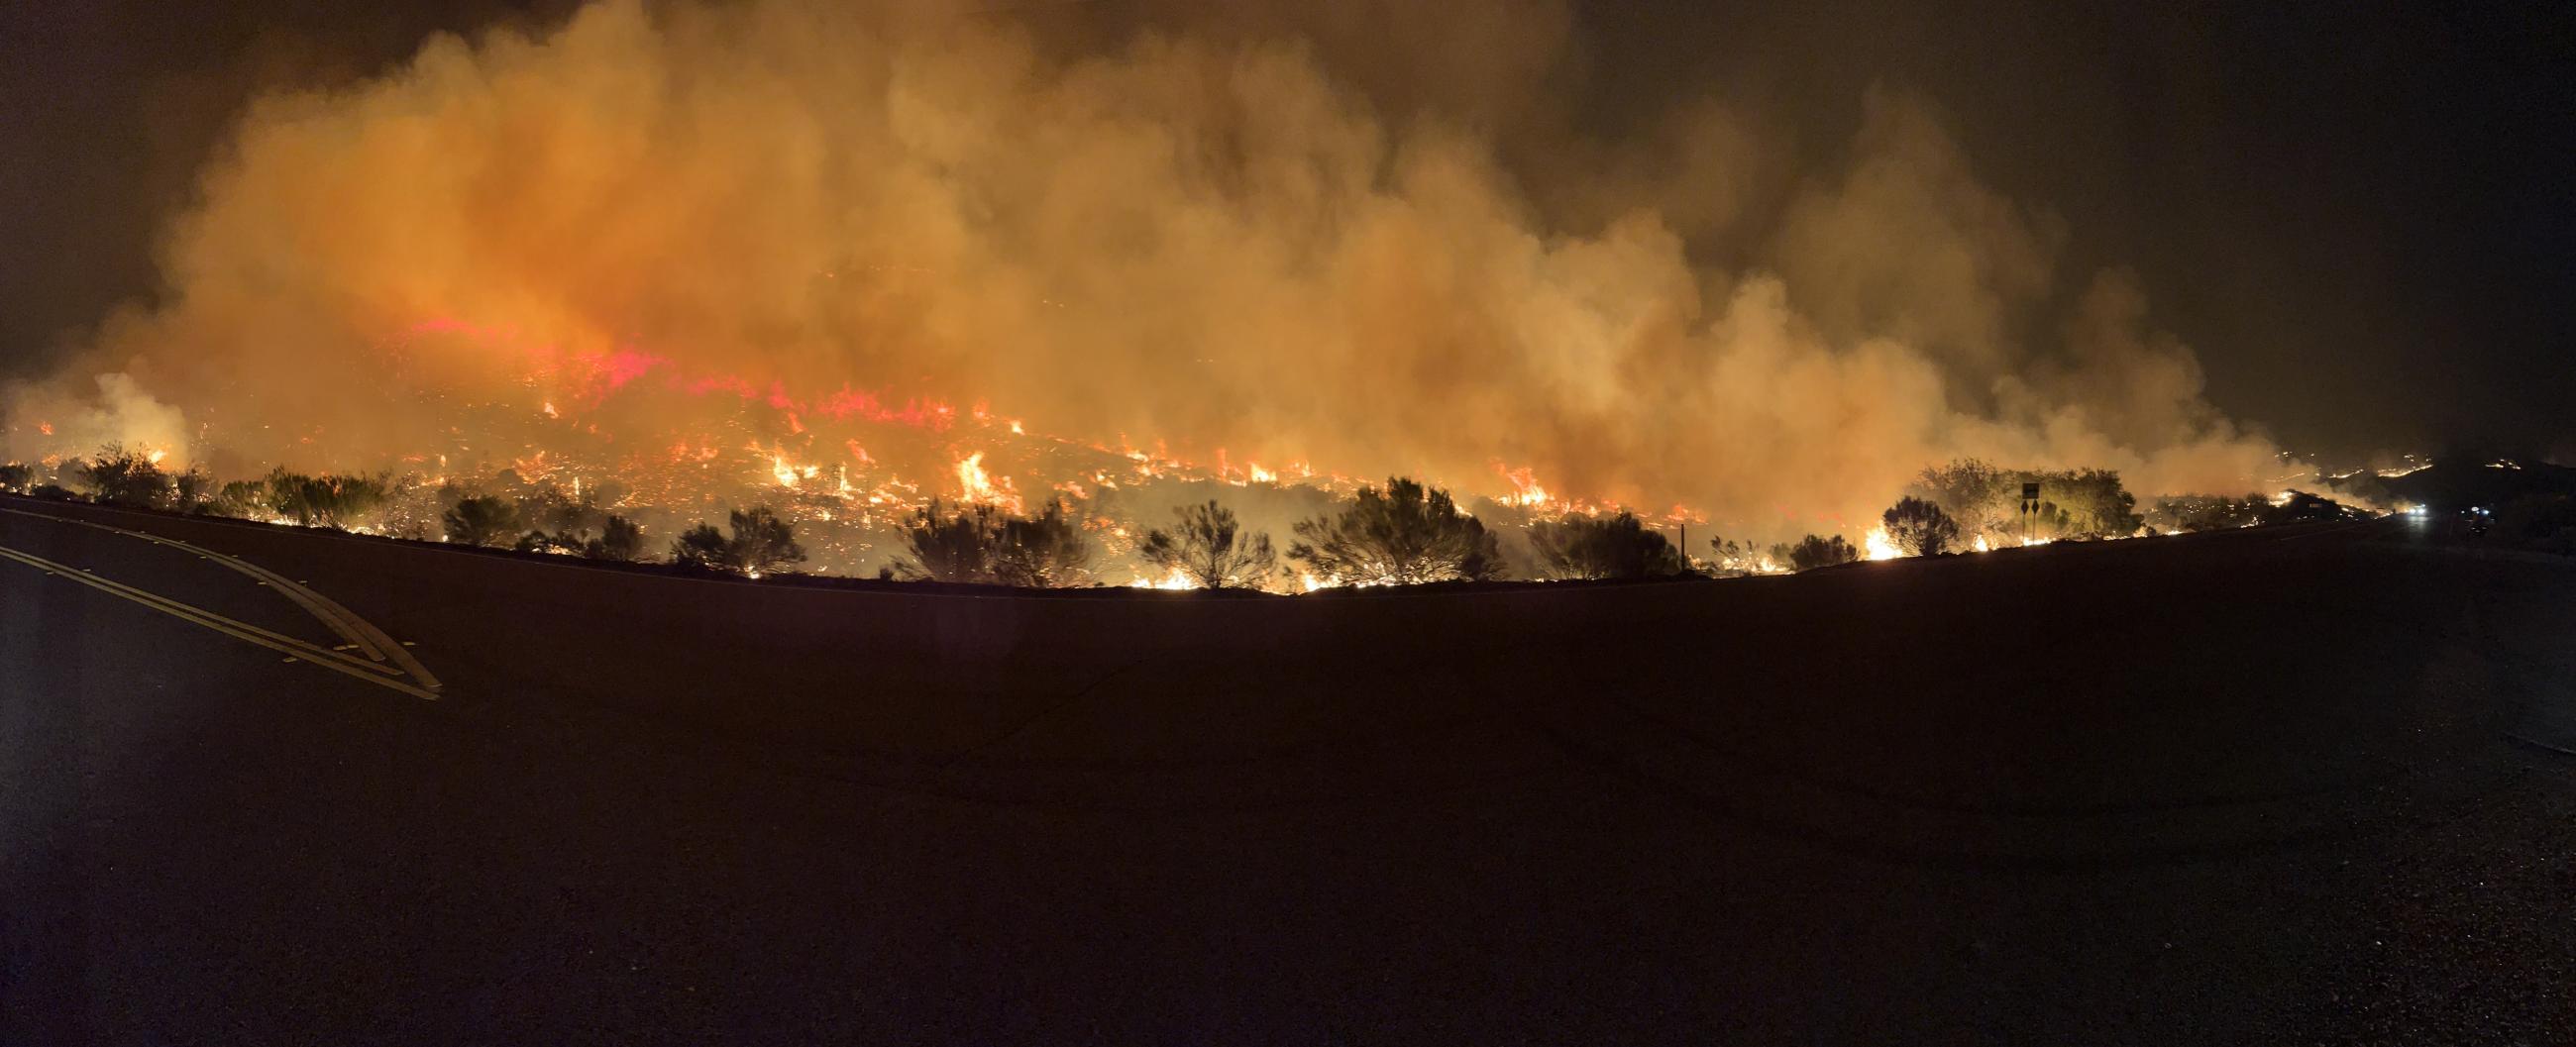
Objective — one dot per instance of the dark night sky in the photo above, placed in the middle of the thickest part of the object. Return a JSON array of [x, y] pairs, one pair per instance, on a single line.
[[2359, 219]]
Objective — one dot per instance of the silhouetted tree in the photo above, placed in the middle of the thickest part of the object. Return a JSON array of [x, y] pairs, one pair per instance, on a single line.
[[949, 546], [762, 543], [324, 501], [1815, 550], [117, 476], [619, 540], [485, 520], [1920, 528], [548, 507], [701, 547], [1405, 535], [1602, 547], [1046, 551], [1208, 546], [15, 476]]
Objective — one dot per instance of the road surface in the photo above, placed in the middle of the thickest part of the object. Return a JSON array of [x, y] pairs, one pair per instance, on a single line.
[[2295, 785]]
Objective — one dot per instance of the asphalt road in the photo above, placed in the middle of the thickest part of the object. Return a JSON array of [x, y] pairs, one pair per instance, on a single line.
[[2302, 785]]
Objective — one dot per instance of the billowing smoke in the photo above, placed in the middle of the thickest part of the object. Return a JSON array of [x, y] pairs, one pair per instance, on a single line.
[[1263, 238]]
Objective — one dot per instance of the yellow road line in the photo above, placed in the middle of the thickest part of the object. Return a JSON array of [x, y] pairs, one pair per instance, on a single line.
[[278, 642]]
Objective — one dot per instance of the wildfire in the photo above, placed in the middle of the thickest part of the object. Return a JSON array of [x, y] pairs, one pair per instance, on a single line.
[[1526, 491], [791, 475], [976, 486], [1176, 580], [1880, 546], [1983, 546]]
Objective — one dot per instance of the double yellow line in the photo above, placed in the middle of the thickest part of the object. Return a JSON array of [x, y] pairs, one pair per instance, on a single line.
[[358, 631]]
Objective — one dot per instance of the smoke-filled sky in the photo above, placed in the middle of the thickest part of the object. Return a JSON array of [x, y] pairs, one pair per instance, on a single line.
[[1654, 252]]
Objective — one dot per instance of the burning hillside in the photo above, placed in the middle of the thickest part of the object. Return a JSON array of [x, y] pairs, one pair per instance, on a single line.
[[842, 262]]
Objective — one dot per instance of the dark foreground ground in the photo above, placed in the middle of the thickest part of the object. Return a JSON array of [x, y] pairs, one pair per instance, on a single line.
[[2303, 785]]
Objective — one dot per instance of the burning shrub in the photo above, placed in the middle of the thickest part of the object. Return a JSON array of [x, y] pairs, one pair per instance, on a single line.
[[1816, 550], [15, 476], [242, 499], [193, 491], [324, 501], [560, 543], [2302, 506], [1405, 535], [1734, 559], [1602, 547], [2209, 512], [1920, 528], [481, 521], [1209, 548], [761, 544], [127, 478]]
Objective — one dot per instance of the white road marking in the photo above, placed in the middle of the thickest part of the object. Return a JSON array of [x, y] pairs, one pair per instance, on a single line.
[[293, 648]]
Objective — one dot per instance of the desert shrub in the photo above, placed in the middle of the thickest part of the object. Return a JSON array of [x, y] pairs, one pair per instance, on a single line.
[[1406, 534], [1208, 546], [1602, 547], [1816, 550]]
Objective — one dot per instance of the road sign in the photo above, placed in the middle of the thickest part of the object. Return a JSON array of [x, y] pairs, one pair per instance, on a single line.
[[2030, 498]]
